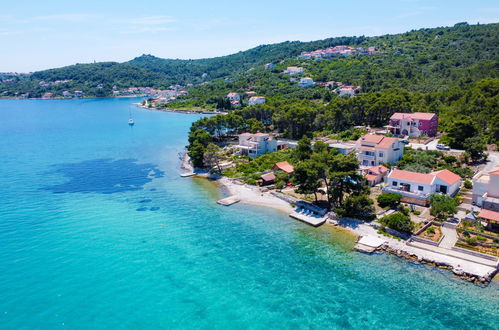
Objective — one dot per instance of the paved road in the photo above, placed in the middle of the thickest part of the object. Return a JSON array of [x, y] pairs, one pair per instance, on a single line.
[[450, 237], [430, 146], [492, 161]]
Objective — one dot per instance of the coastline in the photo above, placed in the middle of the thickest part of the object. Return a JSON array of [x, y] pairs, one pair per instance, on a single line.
[[468, 270], [189, 112], [465, 269]]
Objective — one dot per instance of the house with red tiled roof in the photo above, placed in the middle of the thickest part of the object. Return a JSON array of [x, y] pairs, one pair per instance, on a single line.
[[422, 185], [486, 190], [284, 166], [233, 97], [375, 174], [373, 150], [413, 124], [256, 144]]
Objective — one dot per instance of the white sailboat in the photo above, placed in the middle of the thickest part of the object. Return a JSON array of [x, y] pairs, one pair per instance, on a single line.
[[130, 120]]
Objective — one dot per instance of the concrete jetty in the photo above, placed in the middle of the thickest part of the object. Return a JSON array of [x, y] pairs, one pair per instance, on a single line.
[[369, 244], [315, 221], [229, 200]]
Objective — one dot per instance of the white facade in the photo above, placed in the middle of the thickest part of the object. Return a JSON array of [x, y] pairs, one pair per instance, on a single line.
[[347, 91], [294, 70], [486, 188], [306, 82], [234, 97], [422, 185], [377, 149], [256, 144], [256, 100]]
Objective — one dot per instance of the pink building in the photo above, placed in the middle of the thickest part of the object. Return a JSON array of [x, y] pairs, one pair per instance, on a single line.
[[413, 124]]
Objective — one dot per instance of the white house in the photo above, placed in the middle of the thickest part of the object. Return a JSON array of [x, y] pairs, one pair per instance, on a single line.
[[486, 190], [422, 185], [256, 100], [233, 97], [268, 66], [294, 70], [256, 144], [378, 149], [306, 82], [343, 148], [348, 91]]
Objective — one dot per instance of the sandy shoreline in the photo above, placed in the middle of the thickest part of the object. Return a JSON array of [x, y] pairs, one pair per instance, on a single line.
[[468, 270], [253, 196]]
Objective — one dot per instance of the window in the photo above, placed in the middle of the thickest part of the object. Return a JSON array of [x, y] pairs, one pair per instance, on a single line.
[[381, 154], [394, 183], [420, 123], [420, 188]]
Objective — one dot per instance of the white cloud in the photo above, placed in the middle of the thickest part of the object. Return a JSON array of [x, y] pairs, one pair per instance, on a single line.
[[150, 20], [148, 29], [68, 17]]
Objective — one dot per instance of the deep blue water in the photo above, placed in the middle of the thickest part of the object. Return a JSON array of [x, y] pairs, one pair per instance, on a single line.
[[97, 230]]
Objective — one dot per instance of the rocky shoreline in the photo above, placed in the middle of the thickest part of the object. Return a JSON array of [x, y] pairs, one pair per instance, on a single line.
[[464, 269], [481, 280]]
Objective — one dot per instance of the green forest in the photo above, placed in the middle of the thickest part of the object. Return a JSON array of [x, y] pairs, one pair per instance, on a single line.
[[449, 71]]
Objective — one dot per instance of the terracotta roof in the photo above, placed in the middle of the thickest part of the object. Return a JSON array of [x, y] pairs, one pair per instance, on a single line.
[[370, 177], [268, 177], [387, 142], [380, 169], [380, 141], [489, 215], [372, 138], [495, 171], [415, 115], [368, 148], [285, 166], [411, 176], [447, 176]]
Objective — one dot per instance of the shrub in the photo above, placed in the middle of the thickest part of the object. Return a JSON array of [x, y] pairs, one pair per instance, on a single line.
[[389, 199], [360, 207], [417, 212], [431, 231], [403, 210], [481, 238], [471, 240], [442, 206], [468, 184], [398, 221]]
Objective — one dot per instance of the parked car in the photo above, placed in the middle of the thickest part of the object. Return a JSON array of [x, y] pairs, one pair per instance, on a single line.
[[404, 141], [441, 146]]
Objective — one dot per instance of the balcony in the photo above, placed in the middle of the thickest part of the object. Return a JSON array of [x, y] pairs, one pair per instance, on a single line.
[[398, 190], [366, 157]]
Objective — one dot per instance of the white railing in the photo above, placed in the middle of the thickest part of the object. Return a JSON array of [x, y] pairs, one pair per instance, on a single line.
[[405, 193]]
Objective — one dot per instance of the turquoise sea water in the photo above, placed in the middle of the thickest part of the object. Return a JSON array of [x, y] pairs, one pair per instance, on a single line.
[[97, 230]]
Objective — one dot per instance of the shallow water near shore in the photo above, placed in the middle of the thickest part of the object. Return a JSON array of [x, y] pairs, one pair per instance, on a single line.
[[98, 230]]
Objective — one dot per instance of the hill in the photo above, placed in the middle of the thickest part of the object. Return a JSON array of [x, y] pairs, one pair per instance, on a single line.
[[422, 60]]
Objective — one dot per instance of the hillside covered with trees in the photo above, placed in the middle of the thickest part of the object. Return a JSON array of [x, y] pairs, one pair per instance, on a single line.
[[425, 60]]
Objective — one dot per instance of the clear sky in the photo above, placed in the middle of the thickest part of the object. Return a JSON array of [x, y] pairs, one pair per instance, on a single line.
[[38, 34]]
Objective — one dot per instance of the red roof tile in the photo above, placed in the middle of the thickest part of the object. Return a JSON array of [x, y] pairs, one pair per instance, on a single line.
[[447, 176], [495, 171], [285, 166], [268, 177], [489, 215], [380, 169], [415, 115], [411, 176], [387, 142]]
